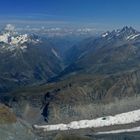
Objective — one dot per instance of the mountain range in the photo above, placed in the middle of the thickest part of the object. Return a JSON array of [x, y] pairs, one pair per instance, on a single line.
[[26, 59], [92, 77], [111, 49]]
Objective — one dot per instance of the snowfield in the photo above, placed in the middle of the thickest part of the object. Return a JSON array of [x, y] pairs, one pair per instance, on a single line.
[[119, 119], [135, 129]]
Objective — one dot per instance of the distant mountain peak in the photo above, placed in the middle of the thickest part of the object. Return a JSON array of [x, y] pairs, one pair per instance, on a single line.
[[129, 30], [127, 33], [11, 40], [126, 28]]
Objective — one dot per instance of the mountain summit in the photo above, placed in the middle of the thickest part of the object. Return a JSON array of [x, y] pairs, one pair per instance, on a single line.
[[126, 33], [12, 40]]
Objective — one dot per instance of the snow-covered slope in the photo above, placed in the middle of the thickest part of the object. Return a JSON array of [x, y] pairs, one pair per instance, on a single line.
[[119, 119]]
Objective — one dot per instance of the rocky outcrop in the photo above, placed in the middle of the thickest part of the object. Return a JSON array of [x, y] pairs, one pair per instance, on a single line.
[[82, 97]]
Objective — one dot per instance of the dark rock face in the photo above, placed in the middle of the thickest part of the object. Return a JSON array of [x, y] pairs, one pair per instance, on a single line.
[[45, 112]]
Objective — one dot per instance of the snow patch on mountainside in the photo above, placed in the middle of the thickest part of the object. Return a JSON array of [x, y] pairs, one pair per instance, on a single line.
[[119, 119], [55, 53], [132, 37], [105, 34], [135, 36]]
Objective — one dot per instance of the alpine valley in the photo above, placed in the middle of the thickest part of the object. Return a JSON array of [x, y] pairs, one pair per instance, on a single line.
[[69, 78]]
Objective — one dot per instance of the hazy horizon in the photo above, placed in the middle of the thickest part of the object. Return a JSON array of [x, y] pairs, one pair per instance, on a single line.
[[98, 14]]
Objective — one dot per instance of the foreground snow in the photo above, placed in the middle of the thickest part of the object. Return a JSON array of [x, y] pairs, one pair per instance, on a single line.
[[135, 129], [119, 119]]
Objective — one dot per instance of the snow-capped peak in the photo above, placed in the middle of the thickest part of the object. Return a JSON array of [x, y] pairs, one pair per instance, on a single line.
[[14, 40], [126, 33]]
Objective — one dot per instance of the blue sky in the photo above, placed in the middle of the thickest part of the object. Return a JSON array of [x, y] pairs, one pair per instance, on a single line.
[[101, 14]]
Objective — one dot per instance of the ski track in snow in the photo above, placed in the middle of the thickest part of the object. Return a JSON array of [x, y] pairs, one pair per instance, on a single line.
[[119, 119]]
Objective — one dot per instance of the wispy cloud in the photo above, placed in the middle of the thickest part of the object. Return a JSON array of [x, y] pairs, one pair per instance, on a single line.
[[24, 21], [43, 15], [48, 20]]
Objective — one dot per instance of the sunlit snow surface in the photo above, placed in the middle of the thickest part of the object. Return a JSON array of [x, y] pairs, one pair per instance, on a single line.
[[119, 119], [135, 129], [13, 40], [105, 34]]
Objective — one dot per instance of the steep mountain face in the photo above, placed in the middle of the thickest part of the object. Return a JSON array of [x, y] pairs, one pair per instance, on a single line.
[[26, 59]]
